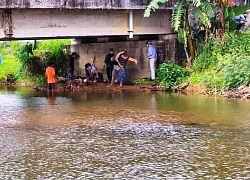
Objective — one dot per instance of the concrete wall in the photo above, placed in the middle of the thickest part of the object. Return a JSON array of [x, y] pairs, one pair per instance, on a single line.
[[35, 24]]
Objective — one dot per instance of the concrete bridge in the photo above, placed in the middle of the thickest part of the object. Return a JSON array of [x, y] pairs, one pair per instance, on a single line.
[[37, 19], [95, 26]]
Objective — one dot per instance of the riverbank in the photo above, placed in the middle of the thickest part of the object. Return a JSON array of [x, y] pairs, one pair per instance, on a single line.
[[77, 85], [242, 92]]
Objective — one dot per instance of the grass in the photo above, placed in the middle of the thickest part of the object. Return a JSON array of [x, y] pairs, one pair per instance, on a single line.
[[10, 65]]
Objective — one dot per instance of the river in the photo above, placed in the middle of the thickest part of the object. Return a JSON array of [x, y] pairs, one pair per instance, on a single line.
[[121, 135]]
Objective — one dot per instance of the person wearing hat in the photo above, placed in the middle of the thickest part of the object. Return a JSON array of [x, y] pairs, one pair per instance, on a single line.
[[152, 56], [109, 59]]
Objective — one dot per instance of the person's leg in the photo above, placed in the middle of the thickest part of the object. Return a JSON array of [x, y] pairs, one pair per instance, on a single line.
[[113, 77], [152, 68], [116, 75], [121, 76], [70, 76], [108, 72], [111, 72], [53, 86], [49, 87]]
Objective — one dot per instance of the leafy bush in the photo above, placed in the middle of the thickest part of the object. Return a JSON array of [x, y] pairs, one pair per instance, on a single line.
[[35, 58], [223, 64], [236, 70], [170, 75], [207, 57], [10, 63]]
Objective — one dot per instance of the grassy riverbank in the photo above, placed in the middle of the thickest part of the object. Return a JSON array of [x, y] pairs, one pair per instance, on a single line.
[[10, 64], [222, 68], [26, 62], [223, 64]]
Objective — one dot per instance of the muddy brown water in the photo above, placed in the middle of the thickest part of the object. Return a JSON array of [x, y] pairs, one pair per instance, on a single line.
[[122, 135]]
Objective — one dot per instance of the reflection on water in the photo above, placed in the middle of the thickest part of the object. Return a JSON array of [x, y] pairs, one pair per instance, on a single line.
[[122, 135]]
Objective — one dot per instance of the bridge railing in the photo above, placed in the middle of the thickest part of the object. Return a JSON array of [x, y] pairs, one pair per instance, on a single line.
[[79, 4]]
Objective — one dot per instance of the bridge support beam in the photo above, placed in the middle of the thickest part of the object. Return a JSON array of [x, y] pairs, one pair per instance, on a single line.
[[7, 25], [55, 23]]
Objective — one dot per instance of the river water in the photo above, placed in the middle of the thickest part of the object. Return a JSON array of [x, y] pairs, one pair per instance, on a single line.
[[121, 135]]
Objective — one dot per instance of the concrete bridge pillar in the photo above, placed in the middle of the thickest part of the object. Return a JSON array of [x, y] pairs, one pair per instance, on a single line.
[[75, 43], [171, 48]]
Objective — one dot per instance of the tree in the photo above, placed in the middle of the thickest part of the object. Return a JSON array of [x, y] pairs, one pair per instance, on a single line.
[[202, 10]]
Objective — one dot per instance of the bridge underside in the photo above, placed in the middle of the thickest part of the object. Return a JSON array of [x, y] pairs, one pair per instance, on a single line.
[[54, 23], [94, 32]]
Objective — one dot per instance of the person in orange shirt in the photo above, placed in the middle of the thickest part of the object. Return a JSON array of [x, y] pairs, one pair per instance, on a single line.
[[50, 74]]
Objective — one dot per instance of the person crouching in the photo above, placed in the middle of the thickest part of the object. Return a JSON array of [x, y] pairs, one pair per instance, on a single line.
[[91, 73]]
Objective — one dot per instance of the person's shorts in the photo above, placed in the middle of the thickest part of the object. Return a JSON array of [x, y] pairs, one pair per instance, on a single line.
[[70, 74], [51, 86]]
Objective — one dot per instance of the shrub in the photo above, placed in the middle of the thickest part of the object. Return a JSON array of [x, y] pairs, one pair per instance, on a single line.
[[35, 58], [223, 64], [170, 75], [207, 58], [10, 63]]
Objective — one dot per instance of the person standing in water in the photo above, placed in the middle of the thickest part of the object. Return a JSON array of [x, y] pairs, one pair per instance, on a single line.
[[50, 74], [122, 58]]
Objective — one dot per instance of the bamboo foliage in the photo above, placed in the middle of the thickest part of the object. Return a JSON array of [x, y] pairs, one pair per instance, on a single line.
[[177, 15], [202, 10], [153, 5], [202, 16]]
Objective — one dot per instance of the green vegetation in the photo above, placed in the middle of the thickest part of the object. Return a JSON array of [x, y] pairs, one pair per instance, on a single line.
[[27, 62], [223, 64], [142, 81], [170, 75], [211, 17], [211, 39], [10, 63]]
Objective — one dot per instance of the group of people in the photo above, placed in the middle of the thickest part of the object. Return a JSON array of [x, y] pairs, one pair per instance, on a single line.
[[115, 67], [116, 64]]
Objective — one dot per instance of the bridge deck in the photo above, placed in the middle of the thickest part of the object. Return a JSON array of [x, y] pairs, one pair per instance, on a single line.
[[79, 4]]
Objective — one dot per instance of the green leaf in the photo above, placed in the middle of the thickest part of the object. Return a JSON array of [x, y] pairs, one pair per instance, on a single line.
[[153, 5], [177, 14], [181, 35], [230, 16], [196, 3], [240, 10], [202, 16], [226, 12]]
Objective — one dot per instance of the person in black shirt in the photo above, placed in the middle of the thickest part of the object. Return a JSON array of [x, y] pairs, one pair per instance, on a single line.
[[122, 58], [71, 66], [109, 61]]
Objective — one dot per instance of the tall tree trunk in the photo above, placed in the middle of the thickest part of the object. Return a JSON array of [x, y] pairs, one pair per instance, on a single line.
[[221, 20], [190, 43]]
